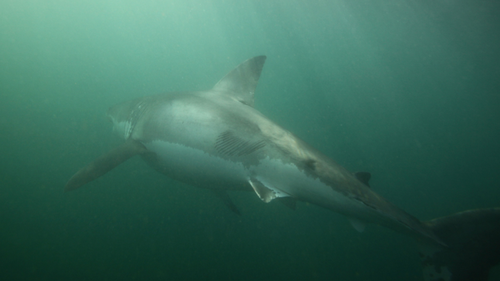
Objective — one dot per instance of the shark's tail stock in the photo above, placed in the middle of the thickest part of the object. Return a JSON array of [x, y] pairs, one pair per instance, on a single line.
[[473, 246]]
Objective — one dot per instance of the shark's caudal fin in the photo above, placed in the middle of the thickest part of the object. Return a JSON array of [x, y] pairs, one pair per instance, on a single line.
[[104, 164], [473, 246]]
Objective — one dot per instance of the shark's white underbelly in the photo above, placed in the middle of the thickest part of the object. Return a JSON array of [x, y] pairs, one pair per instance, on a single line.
[[196, 167], [289, 179]]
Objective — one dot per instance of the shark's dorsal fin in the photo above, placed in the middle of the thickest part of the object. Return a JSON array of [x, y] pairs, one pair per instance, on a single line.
[[363, 177], [241, 82]]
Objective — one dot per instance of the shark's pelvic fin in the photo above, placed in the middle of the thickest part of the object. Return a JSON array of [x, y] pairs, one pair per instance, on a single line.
[[473, 246], [290, 202], [266, 194], [222, 194], [105, 163], [241, 82]]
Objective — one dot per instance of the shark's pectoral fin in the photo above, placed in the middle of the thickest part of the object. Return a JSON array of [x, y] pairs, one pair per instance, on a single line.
[[227, 201], [357, 224], [105, 163], [266, 194]]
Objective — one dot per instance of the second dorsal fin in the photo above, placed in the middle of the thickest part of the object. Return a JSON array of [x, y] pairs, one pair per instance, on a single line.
[[363, 177]]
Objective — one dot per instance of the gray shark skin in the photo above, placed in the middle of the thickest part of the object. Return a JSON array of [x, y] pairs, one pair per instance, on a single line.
[[217, 140]]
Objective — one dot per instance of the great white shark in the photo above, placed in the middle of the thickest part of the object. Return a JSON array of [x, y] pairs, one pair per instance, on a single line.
[[217, 140]]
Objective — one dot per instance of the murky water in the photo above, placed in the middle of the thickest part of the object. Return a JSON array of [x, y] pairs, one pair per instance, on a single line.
[[407, 90]]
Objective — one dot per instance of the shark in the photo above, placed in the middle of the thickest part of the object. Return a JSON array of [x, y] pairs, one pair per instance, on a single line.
[[217, 140]]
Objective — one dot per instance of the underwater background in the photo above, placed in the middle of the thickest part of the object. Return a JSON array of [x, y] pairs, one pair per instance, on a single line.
[[408, 90]]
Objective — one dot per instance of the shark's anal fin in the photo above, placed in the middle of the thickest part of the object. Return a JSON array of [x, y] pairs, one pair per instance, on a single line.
[[222, 194], [357, 224], [105, 163], [363, 177]]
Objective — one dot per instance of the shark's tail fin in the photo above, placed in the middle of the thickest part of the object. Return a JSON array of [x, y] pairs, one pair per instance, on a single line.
[[473, 246]]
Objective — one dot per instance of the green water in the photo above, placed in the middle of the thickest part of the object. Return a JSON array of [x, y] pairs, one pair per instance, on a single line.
[[408, 90]]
